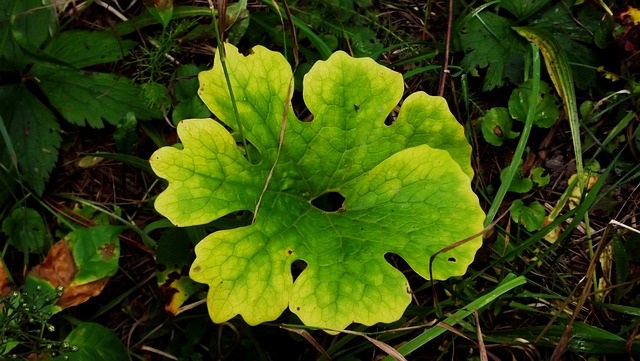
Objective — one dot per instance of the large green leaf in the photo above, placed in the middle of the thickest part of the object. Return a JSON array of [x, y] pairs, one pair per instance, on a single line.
[[82, 96], [96, 251], [489, 42], [25, 230], [92, 341], [26, 24], [34, 133], [406, 190], [81, 48]]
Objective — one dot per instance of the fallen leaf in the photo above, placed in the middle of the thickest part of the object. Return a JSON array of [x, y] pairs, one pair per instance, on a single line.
[[59, 269]]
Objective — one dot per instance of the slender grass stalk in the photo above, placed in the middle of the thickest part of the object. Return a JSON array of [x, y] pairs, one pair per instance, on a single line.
[[524, 137], [510, 282], [223, 62]]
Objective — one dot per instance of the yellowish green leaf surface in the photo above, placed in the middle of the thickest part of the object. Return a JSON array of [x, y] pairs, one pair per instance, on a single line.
[[406, 188]]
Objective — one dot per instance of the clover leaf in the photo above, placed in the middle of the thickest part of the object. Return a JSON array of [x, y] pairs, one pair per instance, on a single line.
[[406, 189]]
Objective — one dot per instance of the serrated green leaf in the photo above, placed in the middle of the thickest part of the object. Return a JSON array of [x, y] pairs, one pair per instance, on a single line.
[[96, 251], [496, 126], [531, 217], [547, 107], [25, 230], [87, 98], [34, 132], [80, 48], [406, 190], [93, 342], [491, 43]]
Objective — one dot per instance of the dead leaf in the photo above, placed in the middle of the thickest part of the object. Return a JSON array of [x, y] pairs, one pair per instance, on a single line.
[[59, 269]]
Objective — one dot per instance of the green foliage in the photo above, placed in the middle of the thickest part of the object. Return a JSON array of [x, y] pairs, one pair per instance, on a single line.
[[519, 184], [496, 126], [403, 189], [26, 330], [174, 259], [24, 324], [81, 97], [344, 20], [92, 341], [537, 175], [25, 230], [96, 251], [531, 216], [522, 9], [88, 98], [488, 40], [33, 133], [186, 93], [155, 61], [547, 107], [80, 49]]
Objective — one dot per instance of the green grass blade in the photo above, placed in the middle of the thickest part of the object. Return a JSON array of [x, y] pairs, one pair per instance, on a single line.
[[146, 19], [318, 43], [524, 137], [510, 282]]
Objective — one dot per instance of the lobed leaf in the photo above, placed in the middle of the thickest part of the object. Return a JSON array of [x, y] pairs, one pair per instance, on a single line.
[[406, 190]]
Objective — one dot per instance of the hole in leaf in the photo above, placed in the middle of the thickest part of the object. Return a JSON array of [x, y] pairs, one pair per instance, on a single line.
[[398, 262], [391, 118], [301, 112], [451, 259], [297, 267], [329, 202]]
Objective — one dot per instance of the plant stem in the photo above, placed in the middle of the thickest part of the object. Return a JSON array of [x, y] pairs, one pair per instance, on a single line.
[[223, 62]]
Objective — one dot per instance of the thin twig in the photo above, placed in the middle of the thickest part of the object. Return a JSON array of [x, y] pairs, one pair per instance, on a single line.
[[283, 126], [445, 67]]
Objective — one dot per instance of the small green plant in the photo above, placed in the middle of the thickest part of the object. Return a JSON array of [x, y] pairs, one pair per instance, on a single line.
[[337, 193], [24, 325], [26, 332]]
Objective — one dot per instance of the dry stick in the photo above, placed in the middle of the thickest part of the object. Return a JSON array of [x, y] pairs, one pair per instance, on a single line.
[[283, 125], [482, 349], [294, 40], [445, 69], [307, 336], [566, 335]]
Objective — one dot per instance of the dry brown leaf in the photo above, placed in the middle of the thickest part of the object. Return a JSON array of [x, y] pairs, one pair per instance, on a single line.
[[59, 269]]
